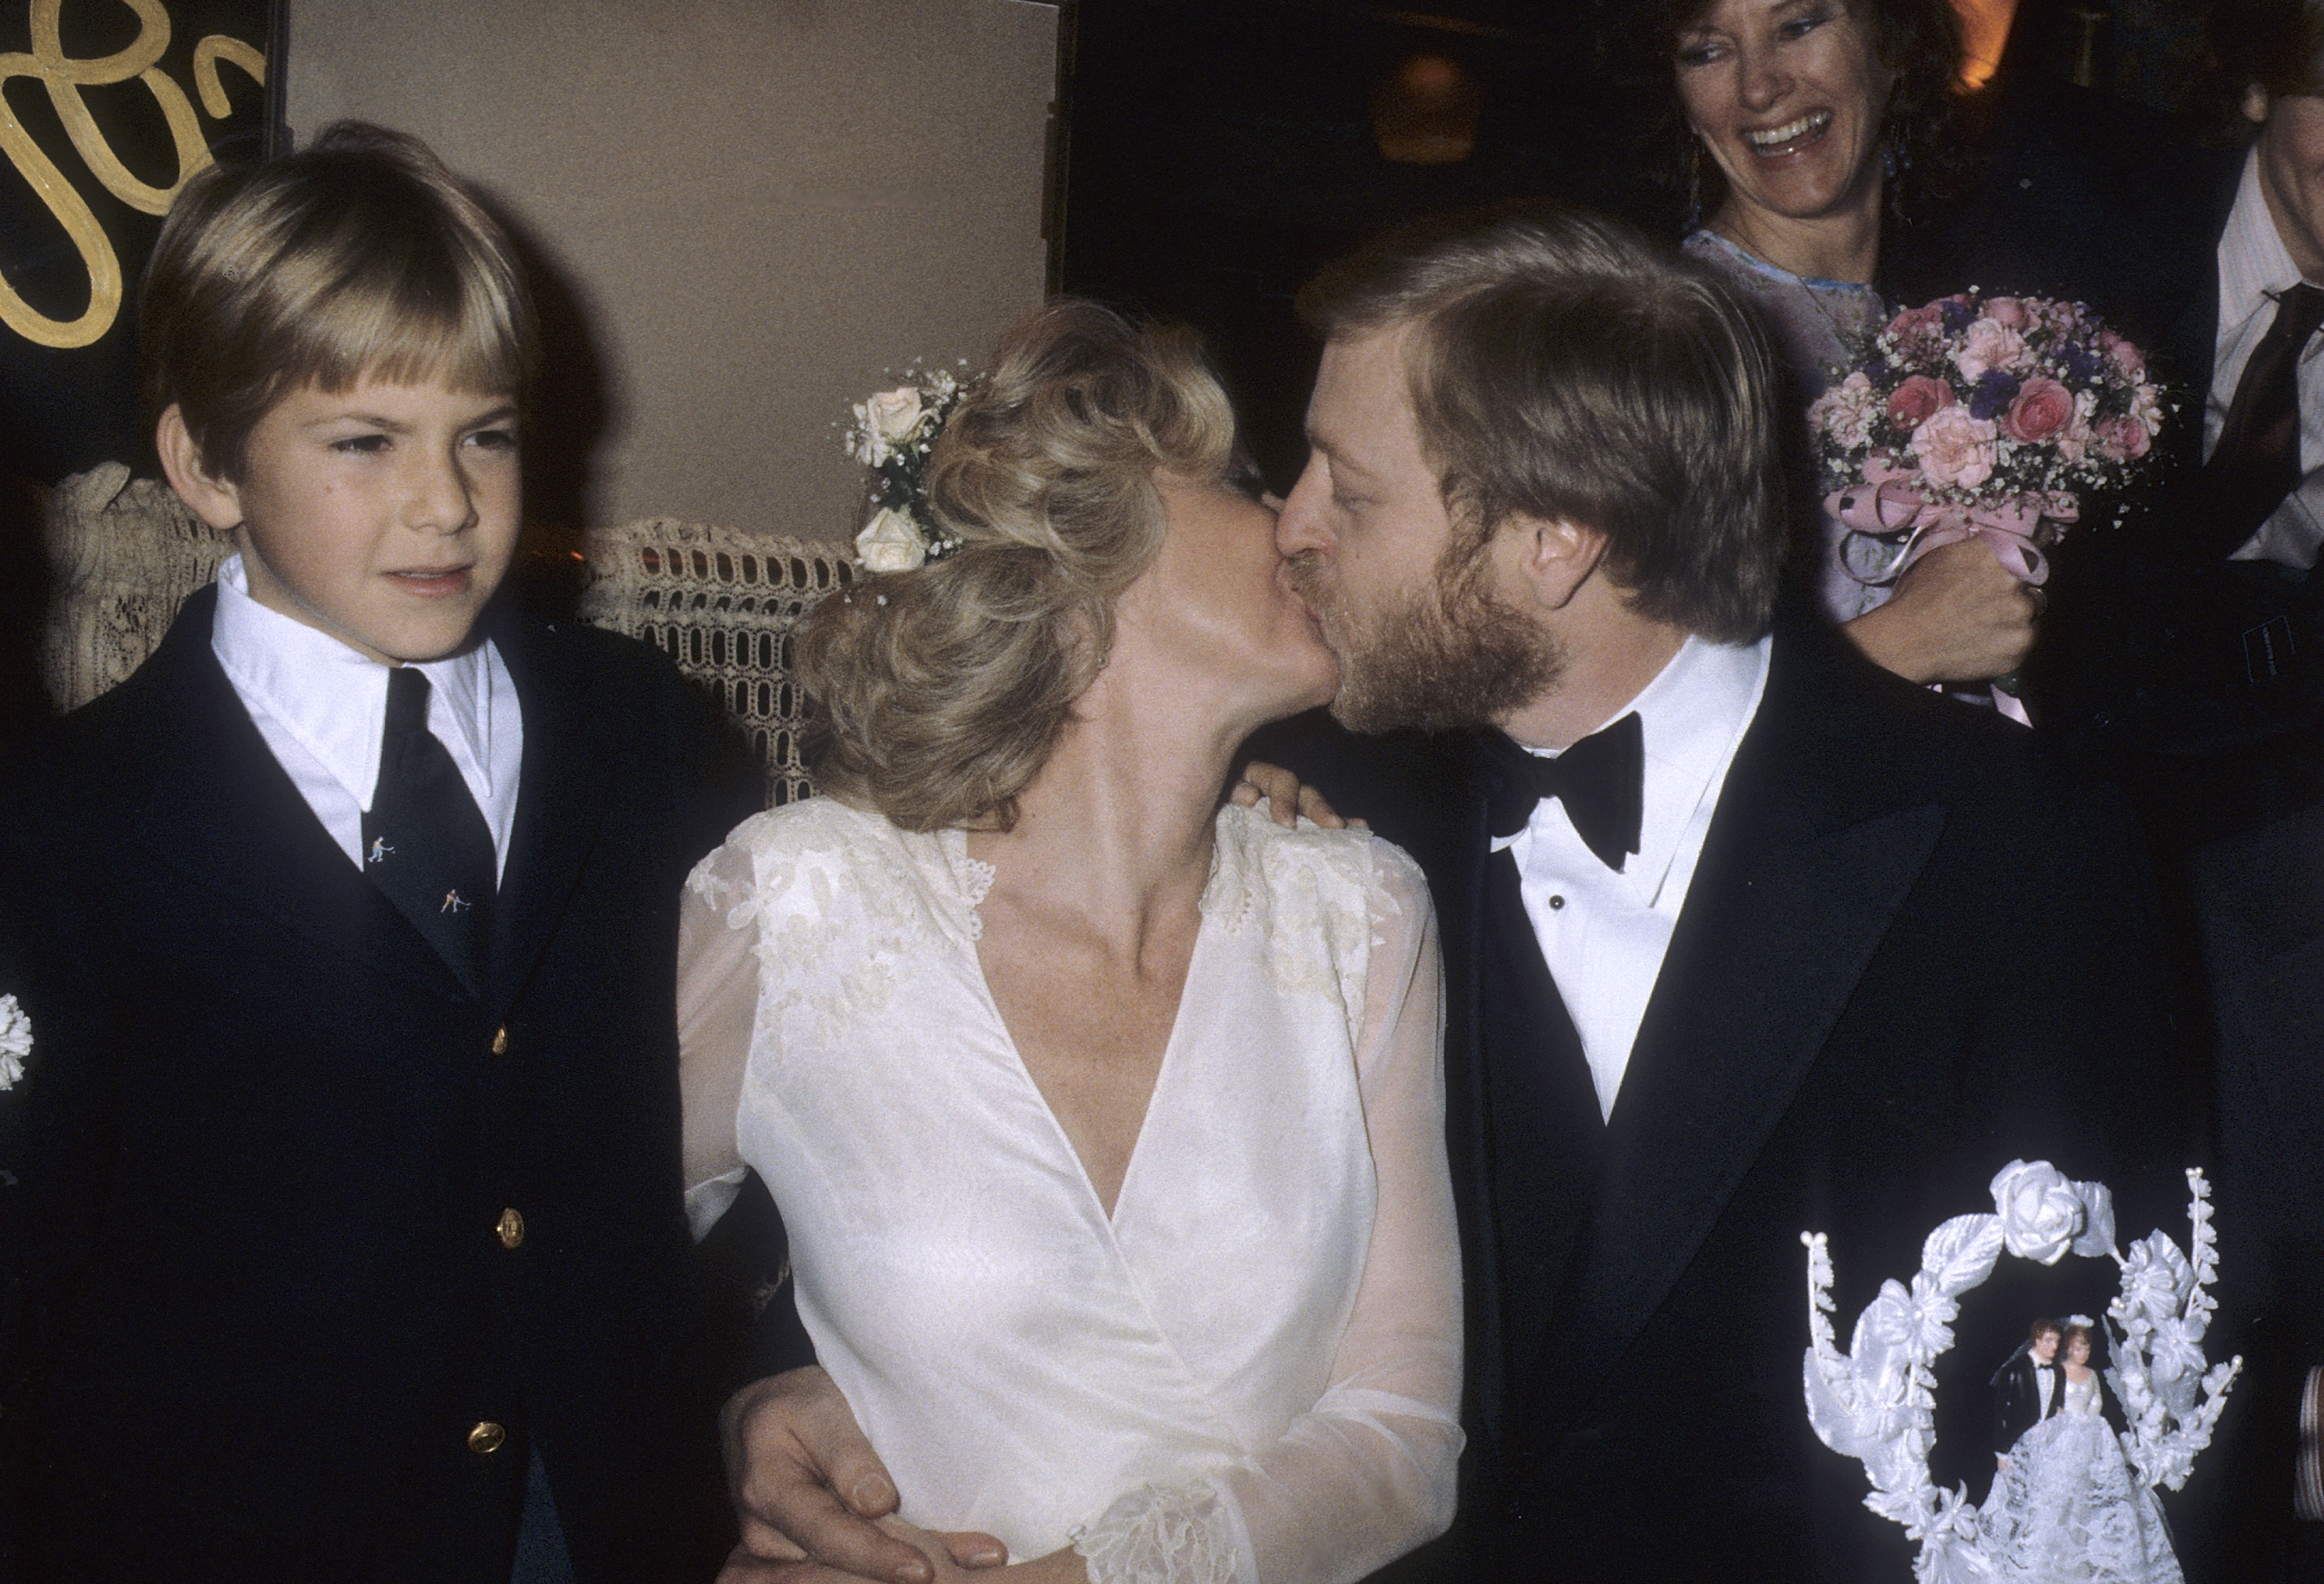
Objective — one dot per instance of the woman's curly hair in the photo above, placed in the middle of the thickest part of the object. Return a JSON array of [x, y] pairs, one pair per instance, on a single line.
[[939, 694]]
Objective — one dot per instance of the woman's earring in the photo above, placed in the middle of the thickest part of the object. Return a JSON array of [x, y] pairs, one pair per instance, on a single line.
[[1693, 184]]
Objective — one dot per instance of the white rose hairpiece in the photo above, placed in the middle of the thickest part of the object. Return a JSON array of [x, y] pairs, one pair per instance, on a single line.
[[892, 434], [15, 1042]]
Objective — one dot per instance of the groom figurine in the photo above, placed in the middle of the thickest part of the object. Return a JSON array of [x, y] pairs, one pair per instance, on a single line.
[[2026, 1389], [1743, 937]]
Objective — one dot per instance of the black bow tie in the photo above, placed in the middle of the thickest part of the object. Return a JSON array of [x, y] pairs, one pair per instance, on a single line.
[[1600, 779]]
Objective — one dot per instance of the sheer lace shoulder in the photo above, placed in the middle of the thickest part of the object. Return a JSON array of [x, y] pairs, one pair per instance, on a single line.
[[1321, 901], [813, 910], [845, 902]]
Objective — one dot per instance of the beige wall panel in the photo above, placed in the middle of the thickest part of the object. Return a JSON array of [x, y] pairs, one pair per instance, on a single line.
[[759, 206]]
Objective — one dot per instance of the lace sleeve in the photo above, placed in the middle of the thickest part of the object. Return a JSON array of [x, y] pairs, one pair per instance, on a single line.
[[717, 1004], [1182, 1535], [1368, 1473]]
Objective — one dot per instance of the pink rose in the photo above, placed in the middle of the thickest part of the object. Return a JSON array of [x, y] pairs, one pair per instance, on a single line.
[[1919, 334], [2120, 438], [2042, 411], [1925, 317], [1987, 345], [2006, 310], [1957, 451], [2120, 352], [1912, 402]]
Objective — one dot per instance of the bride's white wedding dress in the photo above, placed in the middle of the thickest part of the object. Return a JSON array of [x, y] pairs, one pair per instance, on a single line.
[[2068, 1509], [1250, 1370]]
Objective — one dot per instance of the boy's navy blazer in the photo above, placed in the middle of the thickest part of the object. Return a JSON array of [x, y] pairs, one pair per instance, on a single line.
[[1909, 954], [270, 1289]]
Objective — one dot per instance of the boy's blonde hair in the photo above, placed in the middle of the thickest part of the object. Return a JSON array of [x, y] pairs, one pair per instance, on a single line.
[[358, 255]]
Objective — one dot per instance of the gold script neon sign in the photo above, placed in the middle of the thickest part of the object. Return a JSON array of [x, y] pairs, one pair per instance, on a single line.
[[64, 80]]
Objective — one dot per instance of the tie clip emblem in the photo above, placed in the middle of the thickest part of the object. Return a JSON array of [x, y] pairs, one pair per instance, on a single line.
[[379, 849], [454, 903]]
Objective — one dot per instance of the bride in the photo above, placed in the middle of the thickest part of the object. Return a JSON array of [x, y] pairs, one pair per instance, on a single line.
[[2066, 1508], [1106, 1122]]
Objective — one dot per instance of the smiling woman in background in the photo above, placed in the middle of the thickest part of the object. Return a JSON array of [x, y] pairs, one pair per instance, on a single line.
[[1805, 126]]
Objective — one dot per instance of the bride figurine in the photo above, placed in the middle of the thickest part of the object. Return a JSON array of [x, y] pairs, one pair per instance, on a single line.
[[2066, 1508]]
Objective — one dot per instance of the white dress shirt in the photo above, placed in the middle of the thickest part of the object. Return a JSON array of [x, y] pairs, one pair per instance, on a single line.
[[1603, 933], [322, 708], [2255, 266]]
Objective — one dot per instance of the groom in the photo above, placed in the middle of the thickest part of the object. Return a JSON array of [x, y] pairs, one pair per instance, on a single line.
[[1743, 938]]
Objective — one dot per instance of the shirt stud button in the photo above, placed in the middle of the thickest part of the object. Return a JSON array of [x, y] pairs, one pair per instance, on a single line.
[[510, 1228], [487, 1437], [1555, 903]]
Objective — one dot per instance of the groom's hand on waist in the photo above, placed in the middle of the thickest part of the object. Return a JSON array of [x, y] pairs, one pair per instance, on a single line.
[[808, 1490]]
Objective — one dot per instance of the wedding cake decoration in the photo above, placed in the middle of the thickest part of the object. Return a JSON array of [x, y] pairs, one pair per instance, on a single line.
[[892, 434], [1875, 1403], [15, 1042]]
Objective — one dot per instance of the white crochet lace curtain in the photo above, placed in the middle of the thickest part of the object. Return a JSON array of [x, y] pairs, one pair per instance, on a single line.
[[123, 554], [722, 603]]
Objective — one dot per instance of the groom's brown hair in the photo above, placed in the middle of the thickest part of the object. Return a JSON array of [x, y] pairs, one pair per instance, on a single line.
[[1562, 366]]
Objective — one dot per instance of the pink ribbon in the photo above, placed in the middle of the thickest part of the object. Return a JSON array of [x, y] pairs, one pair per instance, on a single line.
[[1889, 502]]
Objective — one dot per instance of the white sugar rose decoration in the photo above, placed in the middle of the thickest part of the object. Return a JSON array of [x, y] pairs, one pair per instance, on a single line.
[[15, 1042], [889, 422], [890, 542], [2040, 1211]]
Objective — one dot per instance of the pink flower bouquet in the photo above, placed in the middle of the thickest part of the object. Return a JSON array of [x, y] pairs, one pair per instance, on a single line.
[[1976, 415]]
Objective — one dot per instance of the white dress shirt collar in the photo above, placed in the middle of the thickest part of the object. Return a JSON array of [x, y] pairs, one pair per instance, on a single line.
[[1691, 715], [333, 701], [2253, 262]]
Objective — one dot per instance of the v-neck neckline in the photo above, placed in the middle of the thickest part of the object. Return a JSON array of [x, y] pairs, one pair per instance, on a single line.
[[976, 877]]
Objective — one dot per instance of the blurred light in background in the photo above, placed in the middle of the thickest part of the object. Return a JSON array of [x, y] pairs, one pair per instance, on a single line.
[[1985, 29], [1426, 111]]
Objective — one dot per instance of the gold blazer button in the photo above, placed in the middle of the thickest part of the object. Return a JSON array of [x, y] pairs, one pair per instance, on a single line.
[[510, 1228], [487, 1437], [500, 1040]]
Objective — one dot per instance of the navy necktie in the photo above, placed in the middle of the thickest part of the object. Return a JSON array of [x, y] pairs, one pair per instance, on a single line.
[[1602, 780], [426, 844]]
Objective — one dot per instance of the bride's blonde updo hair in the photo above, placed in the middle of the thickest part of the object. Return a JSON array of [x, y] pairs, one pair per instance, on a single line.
[[937, 694]]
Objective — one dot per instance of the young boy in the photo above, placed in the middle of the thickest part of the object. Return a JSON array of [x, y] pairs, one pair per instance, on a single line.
[[349, 1224]]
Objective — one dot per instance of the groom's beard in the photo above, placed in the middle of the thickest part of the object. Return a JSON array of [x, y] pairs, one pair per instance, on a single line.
[[1447, 656]]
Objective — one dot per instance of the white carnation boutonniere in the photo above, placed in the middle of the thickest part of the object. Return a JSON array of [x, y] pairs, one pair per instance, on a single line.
[[893, 433], [15, 1042]]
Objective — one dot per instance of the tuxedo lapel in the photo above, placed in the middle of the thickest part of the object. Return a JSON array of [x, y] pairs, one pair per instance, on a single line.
[[1795, 890], [559, 803], [225, 814]]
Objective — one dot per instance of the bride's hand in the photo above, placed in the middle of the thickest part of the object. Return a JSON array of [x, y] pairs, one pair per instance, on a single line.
[[1063, 1566], [807, 1487]]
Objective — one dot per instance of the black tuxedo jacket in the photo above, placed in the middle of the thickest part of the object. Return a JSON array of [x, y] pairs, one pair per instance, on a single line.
[[2260, 902], [2017, 1399], [1909, 956], [270, 1140]]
